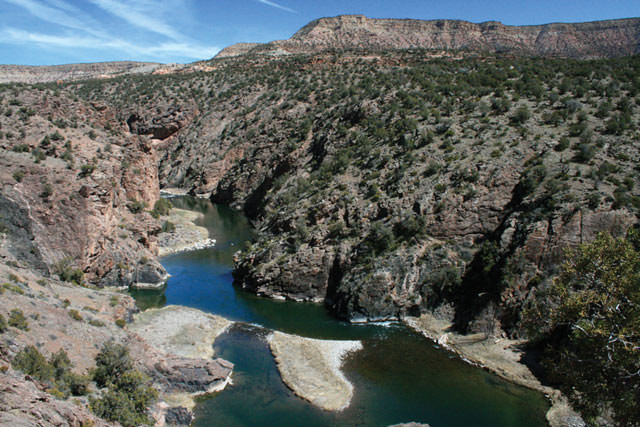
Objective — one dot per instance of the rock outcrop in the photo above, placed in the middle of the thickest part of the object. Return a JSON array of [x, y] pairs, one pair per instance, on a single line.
[[75, 188], [175, 354], [24, 404], [599, 39]]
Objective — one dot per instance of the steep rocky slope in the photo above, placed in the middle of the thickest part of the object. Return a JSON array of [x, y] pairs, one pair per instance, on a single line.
[[392, 183], [383, 183], [599, 39], [74, 187], [78, 320]]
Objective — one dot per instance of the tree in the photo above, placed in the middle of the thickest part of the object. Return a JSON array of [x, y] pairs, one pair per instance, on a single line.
[[129, 392], [590, 321], [112, 361]]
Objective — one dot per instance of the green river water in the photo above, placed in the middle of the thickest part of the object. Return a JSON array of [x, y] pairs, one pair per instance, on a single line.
[[398, 377]]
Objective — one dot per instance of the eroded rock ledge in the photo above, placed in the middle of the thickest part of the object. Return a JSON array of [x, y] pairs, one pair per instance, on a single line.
[[311, 368], [177, 349]]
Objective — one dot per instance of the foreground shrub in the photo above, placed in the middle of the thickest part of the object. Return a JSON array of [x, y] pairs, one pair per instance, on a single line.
[[129, 391], [56, 372], [588, 321]]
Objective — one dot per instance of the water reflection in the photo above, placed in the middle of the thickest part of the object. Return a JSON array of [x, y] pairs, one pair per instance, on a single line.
[[398, 377]]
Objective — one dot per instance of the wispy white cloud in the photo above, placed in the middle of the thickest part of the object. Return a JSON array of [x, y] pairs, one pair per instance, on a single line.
[[82, 31], [56, 15], [142, 14], [277, 6], [191, 51], [16, 36]]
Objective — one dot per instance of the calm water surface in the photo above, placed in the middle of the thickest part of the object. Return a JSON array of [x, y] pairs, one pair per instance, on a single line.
[[398, 377]]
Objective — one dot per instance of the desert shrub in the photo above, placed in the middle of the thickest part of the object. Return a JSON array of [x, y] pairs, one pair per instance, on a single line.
[[380, 238], [21, 148], [47, 191], [530, 180], [129, 391], [168, 227], [86, 170], [18, 175], [136, 206], [56, 372], [432, 169], [31, 362], [161, 208], [67, 273], [585, 152], [587, 322], [112, 360], [75, 315], [3, 324], [18, 320], [521, 115], [563, 144]]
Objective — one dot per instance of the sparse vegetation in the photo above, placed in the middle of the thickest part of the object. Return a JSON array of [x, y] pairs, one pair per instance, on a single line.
[[56, 372], [18, 320], [128, 391]]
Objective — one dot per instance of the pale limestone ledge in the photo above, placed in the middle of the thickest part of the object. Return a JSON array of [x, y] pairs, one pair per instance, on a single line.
[[187, 236], [499, 356], [311, 368], [182, 331]]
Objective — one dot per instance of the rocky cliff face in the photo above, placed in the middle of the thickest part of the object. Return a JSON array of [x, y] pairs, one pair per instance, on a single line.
[[74, 188], [388, 183], [600, 39]]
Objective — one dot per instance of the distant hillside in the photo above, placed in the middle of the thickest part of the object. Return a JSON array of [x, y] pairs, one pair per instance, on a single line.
[[599, 39], [52, 73]]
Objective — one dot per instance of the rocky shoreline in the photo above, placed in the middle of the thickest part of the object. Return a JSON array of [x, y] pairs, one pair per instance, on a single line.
[[311, 368], [183, 338], [187, 236], [499, 356]]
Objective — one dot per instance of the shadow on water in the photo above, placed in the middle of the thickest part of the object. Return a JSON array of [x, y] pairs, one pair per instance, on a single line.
[[399, 376]]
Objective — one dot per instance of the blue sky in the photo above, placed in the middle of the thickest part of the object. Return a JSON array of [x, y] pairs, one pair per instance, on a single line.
[[39, 32]]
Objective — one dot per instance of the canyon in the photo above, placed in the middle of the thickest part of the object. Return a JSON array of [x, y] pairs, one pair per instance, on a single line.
[[391, 169]]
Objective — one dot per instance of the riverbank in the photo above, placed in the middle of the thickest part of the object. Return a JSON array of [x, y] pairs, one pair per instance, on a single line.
[[183, 339], [311, 368], [186, 234], [500, 356]]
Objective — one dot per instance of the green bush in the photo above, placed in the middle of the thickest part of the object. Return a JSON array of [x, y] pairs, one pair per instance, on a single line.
[[3, 324], [86, 170], [18, 175], [31, 362], [21, 148], [75, 315], [563, 144], [136, 206], [129, 391], [112, 361], [589, 321], [47, 191], [521, 115], [168, 227], [65, 271], [56, 372], [161, 208], [17, 320]]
